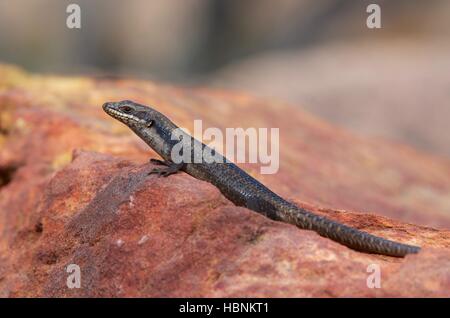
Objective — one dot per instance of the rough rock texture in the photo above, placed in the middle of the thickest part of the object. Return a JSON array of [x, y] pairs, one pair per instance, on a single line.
[[74, 190]]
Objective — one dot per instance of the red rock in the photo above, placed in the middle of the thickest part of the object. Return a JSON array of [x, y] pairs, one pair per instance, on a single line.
[[75, 190]]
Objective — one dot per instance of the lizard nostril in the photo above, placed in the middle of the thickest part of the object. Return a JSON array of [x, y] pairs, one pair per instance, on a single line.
[[105, 105]]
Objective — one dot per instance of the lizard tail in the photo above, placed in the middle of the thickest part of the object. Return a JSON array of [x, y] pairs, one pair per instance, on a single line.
[[343, 234]]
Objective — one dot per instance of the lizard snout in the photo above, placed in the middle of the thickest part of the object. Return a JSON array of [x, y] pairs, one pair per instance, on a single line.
[[106, 106]]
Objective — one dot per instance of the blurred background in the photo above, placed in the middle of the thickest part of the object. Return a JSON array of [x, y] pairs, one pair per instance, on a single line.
[[392, 82]]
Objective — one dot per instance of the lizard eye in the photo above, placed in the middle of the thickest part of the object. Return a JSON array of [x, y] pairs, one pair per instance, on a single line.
[[126, 109]]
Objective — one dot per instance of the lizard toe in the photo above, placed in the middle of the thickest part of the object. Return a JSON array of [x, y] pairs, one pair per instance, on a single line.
[[158, 162]]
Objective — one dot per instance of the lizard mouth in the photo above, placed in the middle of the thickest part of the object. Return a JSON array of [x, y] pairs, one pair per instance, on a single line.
[[112, 110]]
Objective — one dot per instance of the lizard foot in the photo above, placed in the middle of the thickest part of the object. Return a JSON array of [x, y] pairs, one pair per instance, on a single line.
[[171, 168]]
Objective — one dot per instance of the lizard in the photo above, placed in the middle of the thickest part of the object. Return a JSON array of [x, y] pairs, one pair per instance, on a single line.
[[156, 130]]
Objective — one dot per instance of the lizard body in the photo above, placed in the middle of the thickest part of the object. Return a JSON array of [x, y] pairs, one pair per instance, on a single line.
[[239, 187]]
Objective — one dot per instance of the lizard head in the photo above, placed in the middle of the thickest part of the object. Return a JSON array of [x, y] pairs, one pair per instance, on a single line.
[[130, 113], [149, 124]]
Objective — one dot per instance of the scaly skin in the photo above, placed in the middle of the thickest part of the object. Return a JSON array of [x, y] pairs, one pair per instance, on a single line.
[[239, 187]]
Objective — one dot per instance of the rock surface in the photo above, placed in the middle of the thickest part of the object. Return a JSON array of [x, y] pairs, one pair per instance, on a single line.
[[74, 190]]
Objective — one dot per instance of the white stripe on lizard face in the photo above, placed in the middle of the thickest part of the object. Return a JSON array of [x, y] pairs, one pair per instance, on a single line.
[[127, 116]]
